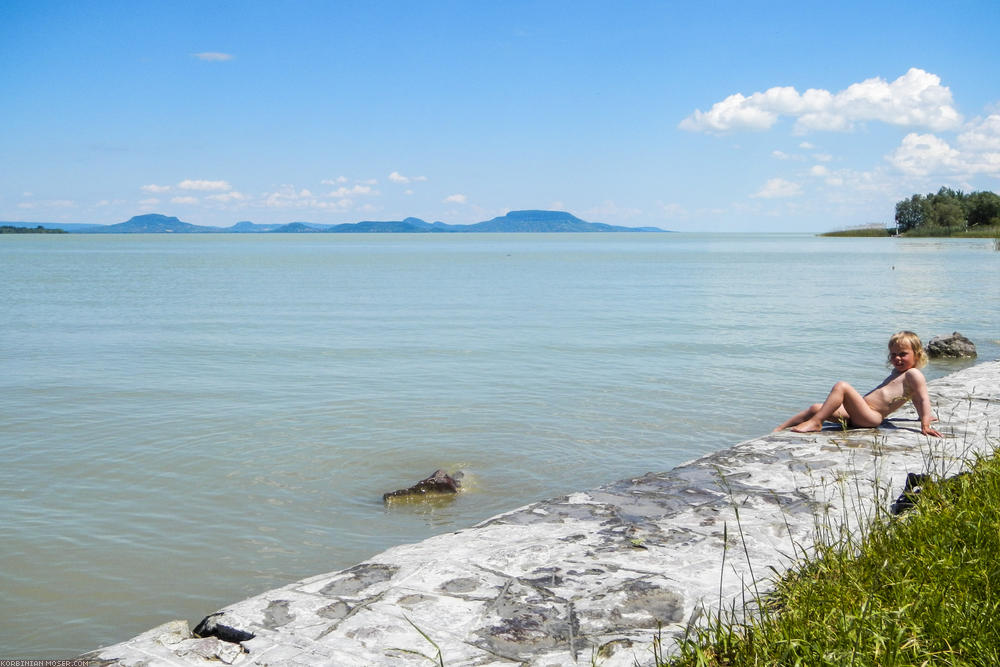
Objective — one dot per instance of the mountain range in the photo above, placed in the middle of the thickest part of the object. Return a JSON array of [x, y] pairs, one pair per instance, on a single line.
[[515, 221]]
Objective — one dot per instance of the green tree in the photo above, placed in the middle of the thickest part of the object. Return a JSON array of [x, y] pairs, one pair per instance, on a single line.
[[947, 212], [910, 213], [984, 209]]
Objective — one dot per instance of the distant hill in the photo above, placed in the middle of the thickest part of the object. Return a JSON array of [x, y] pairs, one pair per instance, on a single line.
[[533, 221], [546, 221], [153, 223]]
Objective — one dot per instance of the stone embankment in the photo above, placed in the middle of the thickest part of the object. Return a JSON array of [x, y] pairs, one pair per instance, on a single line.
[[592, 577]]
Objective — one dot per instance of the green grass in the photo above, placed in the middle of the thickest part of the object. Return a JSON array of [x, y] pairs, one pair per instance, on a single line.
[[865, 231], [919, 589], [981, 232]]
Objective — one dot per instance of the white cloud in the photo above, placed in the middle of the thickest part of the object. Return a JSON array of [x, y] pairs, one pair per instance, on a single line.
[[397, 177], [822, 157], [819, 170], [334, 181], [981, 134], [456, 199], [213, 56], [356, 190], [287, 196], [155, 188], [227, 197], [49, 203], [778, 188], [184, 200], [805, 145], [189, 184], [610, 211], [916, 98], [151, 201], [673, 210]]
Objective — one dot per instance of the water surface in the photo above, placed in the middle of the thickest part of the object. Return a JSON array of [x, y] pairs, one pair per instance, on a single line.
[[189, 420]]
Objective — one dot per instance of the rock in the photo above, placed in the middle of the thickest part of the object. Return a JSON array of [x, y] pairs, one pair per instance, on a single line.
[[439, 482], [955, 346]]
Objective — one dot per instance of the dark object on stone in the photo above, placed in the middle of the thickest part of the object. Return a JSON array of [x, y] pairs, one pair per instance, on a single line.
[[955, 346], [911, 491], [915, 483], [439, 482], [209, 627]]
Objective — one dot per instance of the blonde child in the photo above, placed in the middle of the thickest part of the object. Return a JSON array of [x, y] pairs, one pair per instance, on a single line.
[[905, 382]]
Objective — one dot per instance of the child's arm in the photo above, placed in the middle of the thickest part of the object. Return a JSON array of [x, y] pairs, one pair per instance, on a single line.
[[916, 389]]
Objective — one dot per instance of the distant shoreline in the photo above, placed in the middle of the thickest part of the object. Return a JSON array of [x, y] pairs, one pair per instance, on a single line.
[[532, 221]]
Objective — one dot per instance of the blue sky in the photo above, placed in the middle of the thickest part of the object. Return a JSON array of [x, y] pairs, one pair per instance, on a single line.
[[707, 116]]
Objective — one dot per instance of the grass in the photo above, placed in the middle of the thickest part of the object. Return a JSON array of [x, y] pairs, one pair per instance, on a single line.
[[875, 230], [919, 589], [979, 232]]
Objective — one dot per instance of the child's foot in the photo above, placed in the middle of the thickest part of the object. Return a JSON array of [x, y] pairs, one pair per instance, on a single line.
[[808, 426]]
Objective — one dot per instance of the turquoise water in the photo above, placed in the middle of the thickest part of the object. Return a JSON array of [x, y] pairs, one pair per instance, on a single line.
[[189, 420]]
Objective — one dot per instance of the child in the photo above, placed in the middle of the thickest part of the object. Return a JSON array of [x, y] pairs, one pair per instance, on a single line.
[[906, 382]]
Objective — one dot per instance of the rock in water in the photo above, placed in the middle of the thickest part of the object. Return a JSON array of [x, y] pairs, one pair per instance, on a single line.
[[439, 482], [955, 346]]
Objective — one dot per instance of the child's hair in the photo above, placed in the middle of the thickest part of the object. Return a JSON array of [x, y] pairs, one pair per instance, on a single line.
[[913, 340]]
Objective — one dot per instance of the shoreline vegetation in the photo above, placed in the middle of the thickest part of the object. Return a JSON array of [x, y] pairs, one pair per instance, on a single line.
[[915, 589], [947, 212], [39, 229]]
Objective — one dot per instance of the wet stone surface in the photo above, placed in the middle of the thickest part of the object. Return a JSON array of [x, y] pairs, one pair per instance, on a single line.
[[589, 578]]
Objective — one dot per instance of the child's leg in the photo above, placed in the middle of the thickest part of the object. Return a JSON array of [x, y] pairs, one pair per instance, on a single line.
[[843, 399], [800, 417]]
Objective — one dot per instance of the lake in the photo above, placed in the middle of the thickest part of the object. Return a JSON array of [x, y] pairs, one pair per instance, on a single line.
[[189, 420]]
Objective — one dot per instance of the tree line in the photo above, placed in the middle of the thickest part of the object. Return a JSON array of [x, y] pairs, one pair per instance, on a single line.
[[947, 212], [11, 229]]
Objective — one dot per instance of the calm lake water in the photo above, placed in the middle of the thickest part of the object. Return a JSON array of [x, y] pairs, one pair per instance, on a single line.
[[186, 421]]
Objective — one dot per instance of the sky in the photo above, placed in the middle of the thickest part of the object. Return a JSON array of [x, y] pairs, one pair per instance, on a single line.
[[692, 116]]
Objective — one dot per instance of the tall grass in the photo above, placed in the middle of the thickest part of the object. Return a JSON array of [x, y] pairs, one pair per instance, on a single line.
[[919, 589]]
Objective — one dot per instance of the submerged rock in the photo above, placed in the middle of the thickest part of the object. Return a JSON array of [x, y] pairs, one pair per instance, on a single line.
[[438, 482], [955, 346]]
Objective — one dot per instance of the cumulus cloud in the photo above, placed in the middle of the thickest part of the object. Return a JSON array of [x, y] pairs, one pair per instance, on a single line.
[[609, 210], [334, 181], [353, 191], [213, 56], [927, 154], [227, 197], [456, 199], [915, 99], [155, 188], [778, 188], [287, 196], [981, 134], [207, 186], [397, 177], [673, 210]]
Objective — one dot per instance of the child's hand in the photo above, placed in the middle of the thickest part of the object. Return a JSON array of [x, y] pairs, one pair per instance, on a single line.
[[927, 430]]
